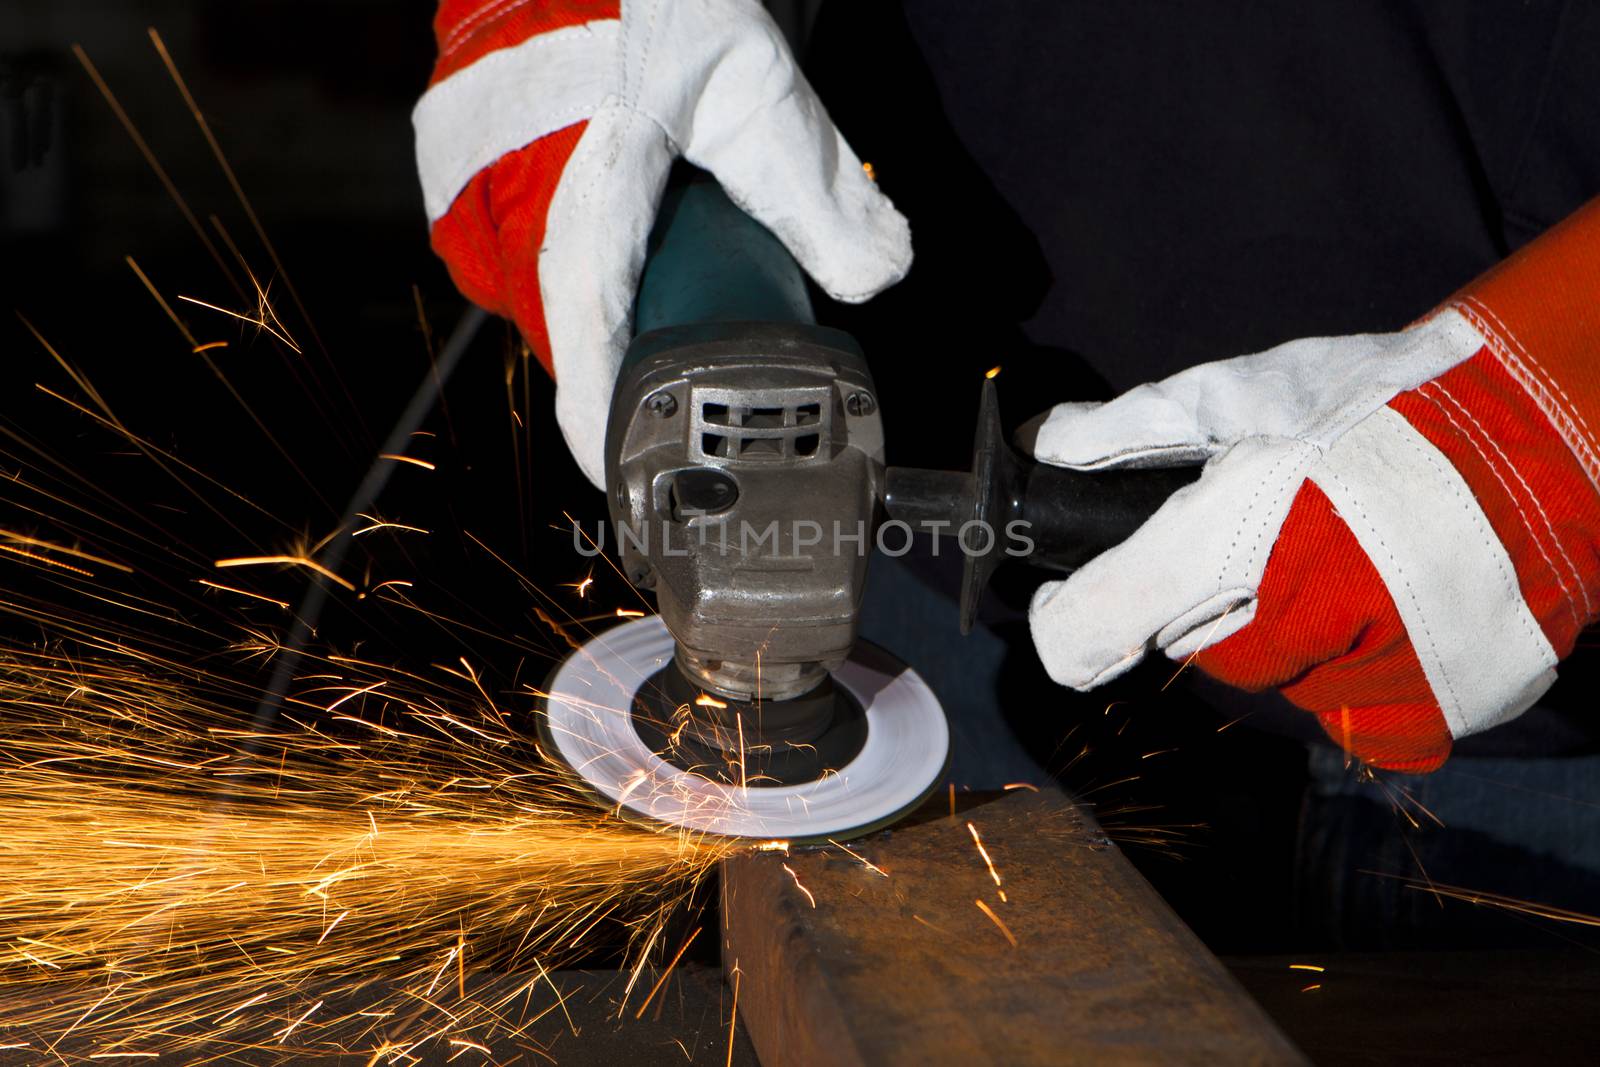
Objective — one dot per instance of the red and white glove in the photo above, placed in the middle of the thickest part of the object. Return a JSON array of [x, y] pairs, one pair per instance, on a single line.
[[1400, 531], [544, 141]]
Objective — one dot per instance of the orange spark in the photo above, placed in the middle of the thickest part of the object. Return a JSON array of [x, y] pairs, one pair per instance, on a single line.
[[397, 582], [286, 1031], [227, 170], [331, 925], [260, 321], [1497, 900], [34, 542], [800, 887], [298, 561], [984, 853], [671, 964], [355, 693], [424, 464], [1004, 929], [733, 1013], [284, 604], [46, 560], [868, 864], [1203, 646], [381, 524], [738, 719], [461, 963]]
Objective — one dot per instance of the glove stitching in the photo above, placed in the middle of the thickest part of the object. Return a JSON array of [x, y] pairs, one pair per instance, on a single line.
[[1540, 386], [460, 170], [1568, 423], [578, 183], [1261, 487], [1509, 587], [628, 115], [629, 98], [1550, 379], [1402, 347], [1572, 605], [1468, 503], [1355, 502], [631, 91], [457, 36], [484, 156]]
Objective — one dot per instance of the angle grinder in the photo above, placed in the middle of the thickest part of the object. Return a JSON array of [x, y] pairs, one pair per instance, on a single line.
[[747, 486]]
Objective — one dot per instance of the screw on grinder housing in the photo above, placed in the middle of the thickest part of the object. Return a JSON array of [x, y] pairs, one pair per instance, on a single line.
[[745, 463]]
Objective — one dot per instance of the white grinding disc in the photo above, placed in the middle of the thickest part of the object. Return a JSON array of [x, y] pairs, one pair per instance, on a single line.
[[590, 721]]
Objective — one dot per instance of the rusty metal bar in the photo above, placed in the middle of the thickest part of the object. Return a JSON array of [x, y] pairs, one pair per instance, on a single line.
[[904, 967]]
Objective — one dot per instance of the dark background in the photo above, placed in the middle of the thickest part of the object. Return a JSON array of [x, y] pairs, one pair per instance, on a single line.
[[311, 104]]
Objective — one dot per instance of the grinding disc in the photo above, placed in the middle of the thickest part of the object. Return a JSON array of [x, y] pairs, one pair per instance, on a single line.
[[589, 722]]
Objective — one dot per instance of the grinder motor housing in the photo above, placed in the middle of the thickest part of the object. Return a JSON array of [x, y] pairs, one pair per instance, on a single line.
[[745, 462]]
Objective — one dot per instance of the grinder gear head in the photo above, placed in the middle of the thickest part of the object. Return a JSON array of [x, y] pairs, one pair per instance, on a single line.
[[745, 464]]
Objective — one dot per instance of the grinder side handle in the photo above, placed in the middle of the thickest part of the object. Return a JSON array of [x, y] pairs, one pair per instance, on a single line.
[[1069, 516], [1074, 515]]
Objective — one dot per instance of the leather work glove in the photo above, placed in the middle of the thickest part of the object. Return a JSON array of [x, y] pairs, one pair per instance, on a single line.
[[1401, 531], [544, 142]]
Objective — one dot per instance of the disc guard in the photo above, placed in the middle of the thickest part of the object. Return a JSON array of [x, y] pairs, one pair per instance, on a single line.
[[588, 722]]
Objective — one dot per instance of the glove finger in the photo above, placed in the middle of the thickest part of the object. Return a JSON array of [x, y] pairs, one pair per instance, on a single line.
[[600, 218], [1193, 415], [1188, 576], [1311, 389], [760, 128]]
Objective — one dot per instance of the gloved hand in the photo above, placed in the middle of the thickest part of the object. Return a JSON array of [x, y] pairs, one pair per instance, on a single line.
[[544, 142], [1400, 531]]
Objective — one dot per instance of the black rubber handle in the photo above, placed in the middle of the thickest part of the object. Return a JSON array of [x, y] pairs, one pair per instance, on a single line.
[[1068, 516], [1073, 516]]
